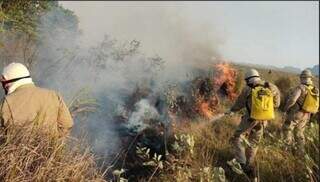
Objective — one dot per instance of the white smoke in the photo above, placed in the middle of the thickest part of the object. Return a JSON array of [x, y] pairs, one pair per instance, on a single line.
[[144, 111], [167, 29], [112, 68]]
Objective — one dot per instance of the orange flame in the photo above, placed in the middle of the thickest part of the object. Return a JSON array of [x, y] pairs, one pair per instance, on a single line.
[[207, 107], [224, 78], [225, 75], [206, 110]]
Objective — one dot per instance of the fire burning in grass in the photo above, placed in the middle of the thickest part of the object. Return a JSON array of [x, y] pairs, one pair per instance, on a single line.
[[208, 108], [150, 119], [225, 79], [222, 84]]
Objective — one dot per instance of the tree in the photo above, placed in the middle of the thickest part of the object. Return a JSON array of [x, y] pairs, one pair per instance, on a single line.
[[23, 16], [22, 28]]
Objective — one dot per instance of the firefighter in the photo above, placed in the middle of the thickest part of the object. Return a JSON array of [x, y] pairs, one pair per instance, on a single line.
[[259, 98], [28, 105], [302, 101]]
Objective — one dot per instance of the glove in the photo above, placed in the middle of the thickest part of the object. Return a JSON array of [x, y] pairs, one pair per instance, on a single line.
[[229, 112]]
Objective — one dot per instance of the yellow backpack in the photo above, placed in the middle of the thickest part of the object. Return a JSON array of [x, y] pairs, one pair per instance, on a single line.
[[262, 103], [311, 102]]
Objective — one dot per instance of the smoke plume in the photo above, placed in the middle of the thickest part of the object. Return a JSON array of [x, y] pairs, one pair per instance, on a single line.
[[149, 46]]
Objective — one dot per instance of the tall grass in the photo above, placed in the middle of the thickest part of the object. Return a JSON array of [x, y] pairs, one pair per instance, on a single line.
[[212, 151], [36, 155]]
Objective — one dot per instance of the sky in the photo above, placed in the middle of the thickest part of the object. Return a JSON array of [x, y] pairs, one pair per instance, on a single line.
[[269, 33]]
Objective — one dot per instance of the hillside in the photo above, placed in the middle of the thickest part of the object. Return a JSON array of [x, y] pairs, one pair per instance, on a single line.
[[275, 74], [286, 69], [200, 149]]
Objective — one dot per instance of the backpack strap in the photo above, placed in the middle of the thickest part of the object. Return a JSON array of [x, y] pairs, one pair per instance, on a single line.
[[247, 103], [248, 97]]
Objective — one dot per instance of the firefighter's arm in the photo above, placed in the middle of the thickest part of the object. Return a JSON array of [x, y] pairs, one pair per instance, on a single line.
[[65, 121], [277, 96], [2, 126], [4, 118], [292, 99], [241, 101]]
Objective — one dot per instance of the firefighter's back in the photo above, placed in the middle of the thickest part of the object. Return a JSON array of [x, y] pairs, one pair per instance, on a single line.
[[31, 105]]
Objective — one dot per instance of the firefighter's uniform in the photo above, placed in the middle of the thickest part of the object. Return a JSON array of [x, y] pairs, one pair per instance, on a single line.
[[27, 105], [249, 129], [296, 118]]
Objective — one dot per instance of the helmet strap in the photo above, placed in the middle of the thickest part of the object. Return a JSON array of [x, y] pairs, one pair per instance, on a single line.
[[4, 83], [15, 79], [247, 79]]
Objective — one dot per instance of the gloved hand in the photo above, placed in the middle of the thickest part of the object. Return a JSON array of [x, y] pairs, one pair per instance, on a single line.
[[229, 112]]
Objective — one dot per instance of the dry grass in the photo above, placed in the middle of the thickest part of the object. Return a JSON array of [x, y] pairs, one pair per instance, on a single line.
[[212, 149], [33, 155]]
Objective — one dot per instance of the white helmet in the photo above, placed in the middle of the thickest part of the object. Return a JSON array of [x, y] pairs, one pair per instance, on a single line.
[[15, 71], [13, 76], [306, 77], [306, 74], [251, 74]]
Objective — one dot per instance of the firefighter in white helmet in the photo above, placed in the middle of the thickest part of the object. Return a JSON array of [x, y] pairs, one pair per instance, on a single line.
[[259, 98], [24, 103], [301, 102]]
